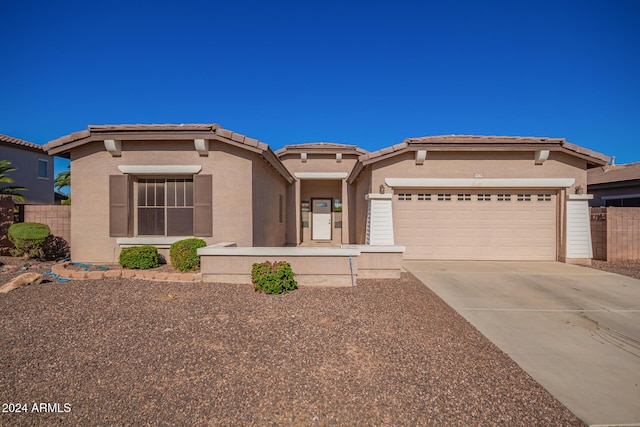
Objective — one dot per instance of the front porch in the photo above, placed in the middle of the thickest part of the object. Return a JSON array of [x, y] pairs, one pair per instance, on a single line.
[[314, 266]]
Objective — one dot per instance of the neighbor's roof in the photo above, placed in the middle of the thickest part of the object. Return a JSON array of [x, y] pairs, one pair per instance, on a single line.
[[8, 140], [613, 173], [160, 131], [476, 142], [320, 147]]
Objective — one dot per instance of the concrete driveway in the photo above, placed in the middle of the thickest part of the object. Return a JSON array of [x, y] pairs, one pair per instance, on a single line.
[[575, 330]]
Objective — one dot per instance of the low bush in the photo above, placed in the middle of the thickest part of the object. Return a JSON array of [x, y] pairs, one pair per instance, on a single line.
[[184, 254], [139, 257], [56, 248], [273, 277], [28, 239]]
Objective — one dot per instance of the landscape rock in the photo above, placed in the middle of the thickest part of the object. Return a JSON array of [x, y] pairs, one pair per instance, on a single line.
[[22, 280]]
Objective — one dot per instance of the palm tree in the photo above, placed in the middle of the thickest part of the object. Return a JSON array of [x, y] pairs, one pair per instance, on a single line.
[[12, 190], [63, 179]]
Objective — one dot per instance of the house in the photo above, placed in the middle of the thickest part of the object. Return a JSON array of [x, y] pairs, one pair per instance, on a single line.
[[615, 185], [438, 197], [34, 168]]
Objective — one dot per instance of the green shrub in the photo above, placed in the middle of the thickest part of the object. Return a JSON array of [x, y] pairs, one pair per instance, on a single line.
[[28, 239], [139, 257], [184, 254], [273, 277]]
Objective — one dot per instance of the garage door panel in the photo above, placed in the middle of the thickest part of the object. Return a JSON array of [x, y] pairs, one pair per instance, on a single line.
[[477, 229]]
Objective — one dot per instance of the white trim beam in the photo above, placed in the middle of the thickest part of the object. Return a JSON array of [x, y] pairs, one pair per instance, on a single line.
[[480, 183], [541, 156], [375, 196], [160, 169], [202, 147], [114, 147], [321, 175], [421, 156]]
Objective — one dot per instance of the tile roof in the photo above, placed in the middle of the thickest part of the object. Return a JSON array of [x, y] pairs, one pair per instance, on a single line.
[[613, 173], [93, 133], [134, 128], [20, 142], [471, 140]]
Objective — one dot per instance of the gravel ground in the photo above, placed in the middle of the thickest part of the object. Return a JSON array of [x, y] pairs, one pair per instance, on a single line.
[[133, 352], [629, 268]]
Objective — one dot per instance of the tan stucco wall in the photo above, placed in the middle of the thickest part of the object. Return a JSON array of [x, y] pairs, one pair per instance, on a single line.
[[268, 188], [363, 187], [318, 163], [291, 217], [441, 164], [91, 166]]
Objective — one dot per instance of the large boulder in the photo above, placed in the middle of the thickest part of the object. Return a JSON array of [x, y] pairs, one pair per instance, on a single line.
[[22, 280]]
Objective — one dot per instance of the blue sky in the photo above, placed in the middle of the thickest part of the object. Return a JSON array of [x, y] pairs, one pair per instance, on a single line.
[[369, 73]]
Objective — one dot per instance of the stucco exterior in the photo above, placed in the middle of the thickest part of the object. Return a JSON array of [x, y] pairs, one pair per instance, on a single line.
[[240, 213], [27, 157], [262, 198]]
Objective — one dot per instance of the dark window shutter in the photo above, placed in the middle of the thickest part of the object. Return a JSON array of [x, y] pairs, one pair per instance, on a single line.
[[118, 205], [202, 206]]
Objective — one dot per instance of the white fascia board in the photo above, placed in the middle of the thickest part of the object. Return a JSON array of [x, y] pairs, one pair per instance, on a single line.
[[579, 196], [377, 249], [480, 183], [321, 175], [375, 196], [160, 169]]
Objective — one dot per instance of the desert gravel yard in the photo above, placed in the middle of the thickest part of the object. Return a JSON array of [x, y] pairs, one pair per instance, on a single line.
[[133, 352]]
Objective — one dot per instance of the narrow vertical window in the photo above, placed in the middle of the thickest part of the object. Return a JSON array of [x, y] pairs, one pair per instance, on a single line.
[[43, 169]]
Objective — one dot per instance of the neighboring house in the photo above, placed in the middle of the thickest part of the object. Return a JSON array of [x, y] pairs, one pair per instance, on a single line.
[[445, 197], [615, 185], [34, 168]]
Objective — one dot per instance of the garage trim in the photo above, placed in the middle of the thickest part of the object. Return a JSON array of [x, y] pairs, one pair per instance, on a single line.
[[480, 183]]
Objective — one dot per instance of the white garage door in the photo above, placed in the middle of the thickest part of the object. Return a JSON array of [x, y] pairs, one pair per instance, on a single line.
[[476, 225]]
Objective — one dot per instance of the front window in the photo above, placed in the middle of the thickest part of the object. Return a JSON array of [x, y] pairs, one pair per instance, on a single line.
[[165, 207]]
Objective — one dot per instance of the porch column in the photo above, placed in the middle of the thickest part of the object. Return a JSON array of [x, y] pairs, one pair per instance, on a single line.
[[298, 214], [579, 249], [379, 220], [345, 213]]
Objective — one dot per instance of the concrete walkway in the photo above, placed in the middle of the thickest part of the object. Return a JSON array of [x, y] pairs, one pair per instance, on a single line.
[[575, 330]]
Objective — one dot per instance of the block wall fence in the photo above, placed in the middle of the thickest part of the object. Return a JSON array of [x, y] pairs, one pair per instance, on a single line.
[[615, 233], [57, 217]]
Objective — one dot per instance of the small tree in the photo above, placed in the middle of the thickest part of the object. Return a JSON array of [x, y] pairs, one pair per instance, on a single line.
[[12, 190]]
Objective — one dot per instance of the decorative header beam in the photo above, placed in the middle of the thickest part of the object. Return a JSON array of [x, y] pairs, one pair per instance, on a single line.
[[202, 147], [114, 147], [541, 156]]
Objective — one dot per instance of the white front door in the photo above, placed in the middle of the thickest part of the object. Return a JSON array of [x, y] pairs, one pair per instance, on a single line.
[[321, 219]]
